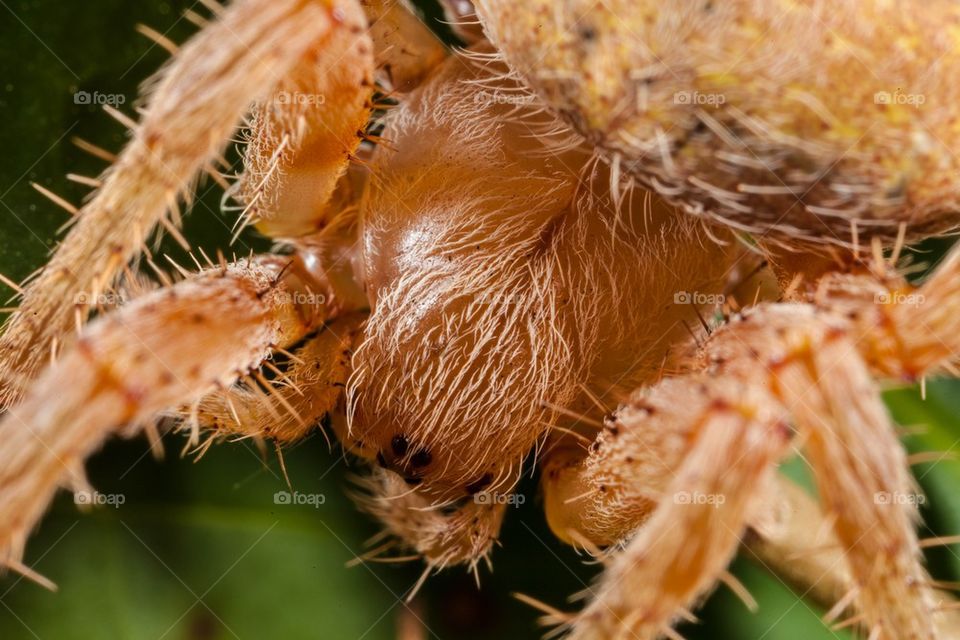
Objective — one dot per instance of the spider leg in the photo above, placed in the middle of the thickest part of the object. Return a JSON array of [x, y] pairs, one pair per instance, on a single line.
[[194, 106], [862, 475], [915, 331], [308, 388], [299, 141], [795, 539], [722, 444], [442, 535], [406, 49], [298, 182], [696, 527], [300, 138], [161, 350], [811, 364]]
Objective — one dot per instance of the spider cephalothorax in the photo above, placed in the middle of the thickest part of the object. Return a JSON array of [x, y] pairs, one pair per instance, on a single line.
[[497, 298], [492, 284]]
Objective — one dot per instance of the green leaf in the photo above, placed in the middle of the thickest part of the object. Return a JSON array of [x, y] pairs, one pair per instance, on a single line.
[[204, 551], [934, 424]]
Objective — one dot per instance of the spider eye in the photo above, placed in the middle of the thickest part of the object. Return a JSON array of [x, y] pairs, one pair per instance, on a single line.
[[421, 458], [476, 487], [399, 444]]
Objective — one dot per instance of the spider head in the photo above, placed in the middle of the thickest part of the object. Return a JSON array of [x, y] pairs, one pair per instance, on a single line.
[[450, 406]]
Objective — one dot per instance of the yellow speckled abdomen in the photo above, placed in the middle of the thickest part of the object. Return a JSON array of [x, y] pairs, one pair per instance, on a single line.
[[822, 122]]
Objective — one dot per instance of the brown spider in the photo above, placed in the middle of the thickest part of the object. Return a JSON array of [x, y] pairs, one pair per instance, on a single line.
[[517, 254]]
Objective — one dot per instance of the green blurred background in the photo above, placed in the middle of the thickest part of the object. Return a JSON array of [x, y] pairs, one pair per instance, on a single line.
[[199, 550]]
